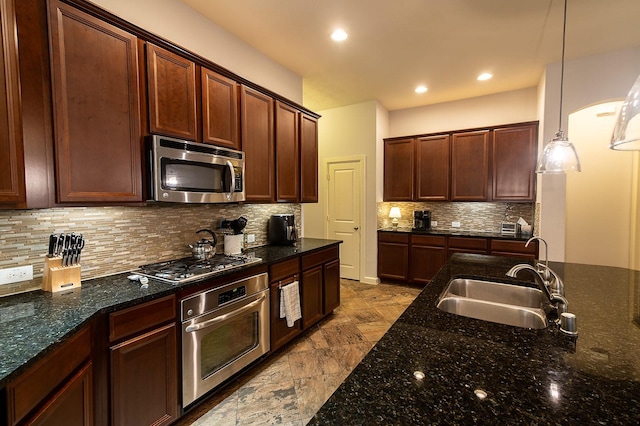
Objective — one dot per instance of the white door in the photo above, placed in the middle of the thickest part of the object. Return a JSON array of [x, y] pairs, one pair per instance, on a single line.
[[344, 213]]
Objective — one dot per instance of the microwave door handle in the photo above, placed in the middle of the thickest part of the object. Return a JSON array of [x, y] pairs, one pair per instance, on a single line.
[[232, 187], [212, 321]]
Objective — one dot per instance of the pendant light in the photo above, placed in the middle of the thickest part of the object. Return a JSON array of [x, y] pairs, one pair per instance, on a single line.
[[559, 156], [626, 133]]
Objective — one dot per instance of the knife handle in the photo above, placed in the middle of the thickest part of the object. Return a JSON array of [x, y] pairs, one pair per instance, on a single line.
[[53, 242]]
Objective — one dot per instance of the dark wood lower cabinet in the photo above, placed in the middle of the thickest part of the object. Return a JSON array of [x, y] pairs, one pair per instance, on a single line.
[[416, 258], [393, 256], [311, 296], [428, 255], [72, 405], [331, 286], [280, 332], [144, 379]]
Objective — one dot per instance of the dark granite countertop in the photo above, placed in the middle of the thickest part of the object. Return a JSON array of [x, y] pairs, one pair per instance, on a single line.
[[32, 324], [530, 376], [458, 233]]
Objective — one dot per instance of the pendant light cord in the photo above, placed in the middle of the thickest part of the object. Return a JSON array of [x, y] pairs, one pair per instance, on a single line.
[[564, 35]]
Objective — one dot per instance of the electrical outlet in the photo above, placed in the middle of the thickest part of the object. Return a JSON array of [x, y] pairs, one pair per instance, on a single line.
[[455, 224], [15, 275], [251, 238], [434, 223]]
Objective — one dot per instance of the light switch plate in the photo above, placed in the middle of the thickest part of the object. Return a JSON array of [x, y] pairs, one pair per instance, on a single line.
[[434, 223], [16, 275], [251, 238], [455, 224]]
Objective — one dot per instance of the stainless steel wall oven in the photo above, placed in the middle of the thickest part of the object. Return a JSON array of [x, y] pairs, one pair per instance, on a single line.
[[223, 330]]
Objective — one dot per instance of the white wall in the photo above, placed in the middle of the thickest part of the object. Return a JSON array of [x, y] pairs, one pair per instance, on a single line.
[[501, 108], [175, 21], [598, 204], [588, 81], [345, 132]]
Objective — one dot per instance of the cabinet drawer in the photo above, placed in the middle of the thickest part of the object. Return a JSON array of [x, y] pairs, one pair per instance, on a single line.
[[514, 247], [31, 388], [428, 240], [131, 321], [317, 258], [468, 243], [284, 269], [392, 237]]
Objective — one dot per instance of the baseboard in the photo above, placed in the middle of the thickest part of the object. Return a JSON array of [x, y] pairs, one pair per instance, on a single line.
[[370, 280]]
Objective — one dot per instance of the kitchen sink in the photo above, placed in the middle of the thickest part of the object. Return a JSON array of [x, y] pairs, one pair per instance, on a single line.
[[503, 303]]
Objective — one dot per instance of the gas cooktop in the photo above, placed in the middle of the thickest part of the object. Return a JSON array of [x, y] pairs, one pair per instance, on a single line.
[[188, 269]]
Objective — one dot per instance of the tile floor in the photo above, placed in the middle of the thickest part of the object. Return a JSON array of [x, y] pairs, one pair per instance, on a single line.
[[290, 386]]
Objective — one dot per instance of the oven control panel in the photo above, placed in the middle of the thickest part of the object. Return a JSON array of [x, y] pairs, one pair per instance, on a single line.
[[230, 295]]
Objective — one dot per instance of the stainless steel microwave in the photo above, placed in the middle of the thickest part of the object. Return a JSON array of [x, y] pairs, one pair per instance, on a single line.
[[189, 172]]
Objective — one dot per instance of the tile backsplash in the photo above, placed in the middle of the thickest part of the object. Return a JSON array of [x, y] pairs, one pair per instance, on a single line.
[[483, 217], [119, 239]]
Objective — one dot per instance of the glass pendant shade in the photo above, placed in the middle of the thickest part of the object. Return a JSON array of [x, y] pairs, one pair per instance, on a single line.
[[626, 133], [559, 156]]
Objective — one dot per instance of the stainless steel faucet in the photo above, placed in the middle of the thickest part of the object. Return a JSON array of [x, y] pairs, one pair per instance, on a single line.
[[556, 299], [553, 281]]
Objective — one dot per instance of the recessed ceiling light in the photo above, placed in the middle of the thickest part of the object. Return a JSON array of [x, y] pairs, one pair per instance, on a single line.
[[485, 76], [421, 89], [339, 35]]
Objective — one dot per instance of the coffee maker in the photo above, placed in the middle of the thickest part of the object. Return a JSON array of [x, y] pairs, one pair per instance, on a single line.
[[421, 220], [282, 230]]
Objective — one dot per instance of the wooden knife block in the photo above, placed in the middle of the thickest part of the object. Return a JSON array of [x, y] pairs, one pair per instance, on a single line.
[[59, 278]]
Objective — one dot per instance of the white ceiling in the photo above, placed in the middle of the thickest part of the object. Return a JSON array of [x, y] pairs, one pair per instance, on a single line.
[[395, 45]]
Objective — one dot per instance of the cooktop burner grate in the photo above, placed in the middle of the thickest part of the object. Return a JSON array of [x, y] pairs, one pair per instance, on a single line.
[[189, 268]]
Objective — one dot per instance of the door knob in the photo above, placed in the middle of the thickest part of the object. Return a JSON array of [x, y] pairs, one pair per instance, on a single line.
[[355, 228]]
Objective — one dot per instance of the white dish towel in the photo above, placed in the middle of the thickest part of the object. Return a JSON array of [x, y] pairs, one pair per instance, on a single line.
[[290, 303]]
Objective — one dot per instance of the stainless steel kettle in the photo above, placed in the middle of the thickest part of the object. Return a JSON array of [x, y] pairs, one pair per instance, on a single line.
[[204, 249]]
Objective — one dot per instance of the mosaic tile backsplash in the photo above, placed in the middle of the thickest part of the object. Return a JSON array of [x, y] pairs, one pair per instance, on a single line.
[[119, 239], [480, 217]]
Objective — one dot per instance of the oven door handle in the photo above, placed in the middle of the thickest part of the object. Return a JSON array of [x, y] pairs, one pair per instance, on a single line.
[[200, 326]]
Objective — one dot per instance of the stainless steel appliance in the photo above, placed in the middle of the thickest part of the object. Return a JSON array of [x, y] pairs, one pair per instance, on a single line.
[[421, 220], [189, 268], [223, 331], [188, 172], [282, 230]]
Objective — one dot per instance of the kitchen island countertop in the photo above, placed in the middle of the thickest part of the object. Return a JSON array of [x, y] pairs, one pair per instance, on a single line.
[[529, 376], [32, 324]]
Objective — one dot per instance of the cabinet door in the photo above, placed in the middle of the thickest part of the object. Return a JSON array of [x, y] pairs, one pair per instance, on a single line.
[[432, 168], [144, 379], [470, 166], [220, 112], [331, 286], [71, 405], [398, 170], [257, 143], [12, 189], [311, 296], [280, 332], [393, 256], [428, 255], [96, 109], [171, 87], [308, 159], [287, 153], [514, 160]]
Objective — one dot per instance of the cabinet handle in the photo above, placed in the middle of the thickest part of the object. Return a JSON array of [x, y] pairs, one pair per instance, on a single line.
[[355, 228]]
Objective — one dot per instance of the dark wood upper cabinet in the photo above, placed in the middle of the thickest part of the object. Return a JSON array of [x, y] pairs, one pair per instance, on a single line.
[[308, 159], [398, 170], [171, 87], [287, 153], [258, 145], [470, 166], [432, 175], [94, 69], [12, 180], [514, 161], [220, 110]]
